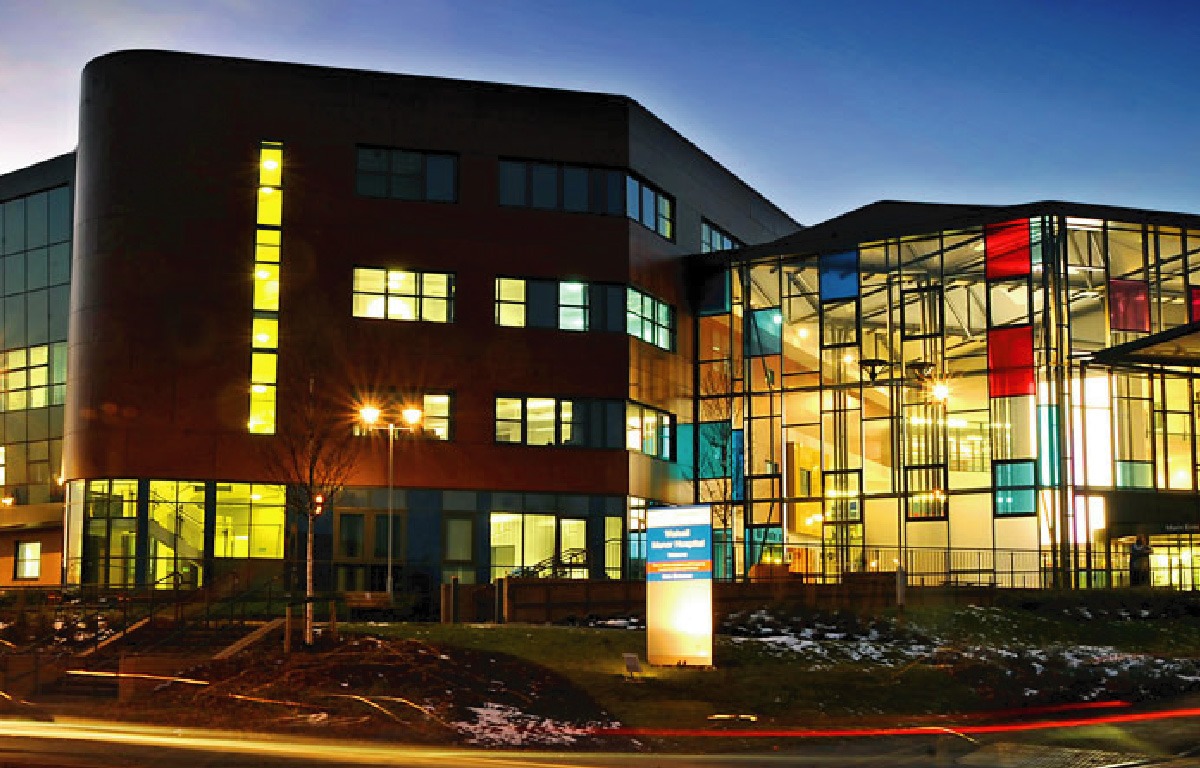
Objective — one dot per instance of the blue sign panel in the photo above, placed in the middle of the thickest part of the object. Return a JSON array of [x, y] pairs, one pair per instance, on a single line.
[[681, 549]]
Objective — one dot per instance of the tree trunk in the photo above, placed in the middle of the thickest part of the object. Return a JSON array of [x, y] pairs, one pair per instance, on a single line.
[[308, 590]]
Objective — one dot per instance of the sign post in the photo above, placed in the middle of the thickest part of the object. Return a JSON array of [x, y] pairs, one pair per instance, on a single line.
[[679, 612]]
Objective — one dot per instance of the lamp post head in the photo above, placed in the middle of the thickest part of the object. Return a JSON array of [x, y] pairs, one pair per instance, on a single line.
[[369, 414], [412, 416]]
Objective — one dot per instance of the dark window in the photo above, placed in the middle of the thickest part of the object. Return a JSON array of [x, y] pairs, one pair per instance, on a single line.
[[513, 183], [559, 187], [381, 536], [650, 207], [350, 541], [544, 186], [404, 174]]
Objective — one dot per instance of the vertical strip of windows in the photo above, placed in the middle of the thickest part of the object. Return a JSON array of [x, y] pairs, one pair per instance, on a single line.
[[264, 330]]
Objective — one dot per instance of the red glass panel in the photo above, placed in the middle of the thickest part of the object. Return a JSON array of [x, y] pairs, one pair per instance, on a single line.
[[1006, 249], [1129, 305], [1195, 304], [1010, 361]]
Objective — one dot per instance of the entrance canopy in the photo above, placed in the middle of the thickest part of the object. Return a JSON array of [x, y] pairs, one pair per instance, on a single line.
[[1177, 348]]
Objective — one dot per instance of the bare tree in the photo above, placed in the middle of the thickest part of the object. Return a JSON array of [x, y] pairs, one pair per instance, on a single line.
[[314, 448], [715, 459]]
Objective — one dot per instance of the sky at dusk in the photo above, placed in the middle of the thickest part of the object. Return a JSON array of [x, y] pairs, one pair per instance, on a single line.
[[822, 106]]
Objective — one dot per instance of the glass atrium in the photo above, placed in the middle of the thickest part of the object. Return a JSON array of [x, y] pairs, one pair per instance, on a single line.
[[932, 401]]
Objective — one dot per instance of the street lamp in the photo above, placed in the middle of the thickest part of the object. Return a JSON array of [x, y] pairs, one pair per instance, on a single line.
[[411, 417]]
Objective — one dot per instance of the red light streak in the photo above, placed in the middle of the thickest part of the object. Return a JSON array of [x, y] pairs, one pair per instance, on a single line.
[[910, 730]]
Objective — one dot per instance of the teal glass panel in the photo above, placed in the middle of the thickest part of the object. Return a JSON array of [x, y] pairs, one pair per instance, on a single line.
[[715, 450], [723, 564], [764, 332], [1049, 455], [765, 542], [58, 215], [1016, 474], [1135, 474], [684, 467], [1015, 502]]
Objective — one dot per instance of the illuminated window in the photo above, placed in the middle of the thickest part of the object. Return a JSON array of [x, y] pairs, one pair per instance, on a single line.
[[510, 420], [249, 521], [650, 207], [397, 294], [562, 304], [921, 312], [926, 499], [436, 420], [402, 174], [510, 302], [649, 319], [33, 377], [649, 431], [581, 422], [28, 560], [264, 324], [713, 238], [573, 306]]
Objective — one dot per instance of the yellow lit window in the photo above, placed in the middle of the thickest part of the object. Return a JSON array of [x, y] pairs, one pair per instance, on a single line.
[[436, 418], [270, 169], [266, 287], [270, 206], [403, 295], [262, 409], [267, 246], [262, 368], [402, 282], [369, 305], [266, 333], [435, 310], [510, 302]]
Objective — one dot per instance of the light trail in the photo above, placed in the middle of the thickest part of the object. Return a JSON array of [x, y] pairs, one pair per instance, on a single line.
[[287, 747], [907, 730]]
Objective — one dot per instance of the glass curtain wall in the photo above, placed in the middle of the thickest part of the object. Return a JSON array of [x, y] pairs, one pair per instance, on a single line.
[[926, 401]]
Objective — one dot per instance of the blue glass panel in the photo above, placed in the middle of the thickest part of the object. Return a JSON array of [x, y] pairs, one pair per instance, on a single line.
[[764, 332], [839, 275], [739, 463]]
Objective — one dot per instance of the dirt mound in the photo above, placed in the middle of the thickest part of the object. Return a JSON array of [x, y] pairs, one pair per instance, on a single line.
[[368, 687]]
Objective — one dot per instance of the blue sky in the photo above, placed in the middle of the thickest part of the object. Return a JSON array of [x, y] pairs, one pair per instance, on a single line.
[[822, 106]]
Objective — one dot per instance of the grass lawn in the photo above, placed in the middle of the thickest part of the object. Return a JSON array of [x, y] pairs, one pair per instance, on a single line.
[[790, 668]]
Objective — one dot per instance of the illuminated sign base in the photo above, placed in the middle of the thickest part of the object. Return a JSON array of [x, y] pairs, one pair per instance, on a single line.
[[679, 613]]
